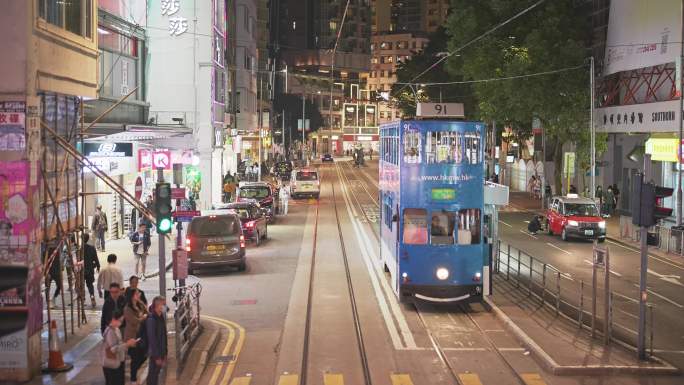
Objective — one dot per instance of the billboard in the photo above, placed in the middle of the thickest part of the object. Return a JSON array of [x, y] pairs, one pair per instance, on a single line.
[[642, 33]]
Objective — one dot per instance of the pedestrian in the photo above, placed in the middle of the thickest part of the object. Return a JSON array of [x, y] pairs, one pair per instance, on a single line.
[[616, 194], [114, 351], [370, 153], [133, 284], [155, 327], [108, 275], [115, 302], [141, 246], [135, 314], [90, 263], [55, 275], [536, 187], [99, 227], [284, 195], [530, 185], [609, 201], [495, 178]]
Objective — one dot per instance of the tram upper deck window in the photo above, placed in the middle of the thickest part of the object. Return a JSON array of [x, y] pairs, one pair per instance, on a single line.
[[412, 147], [469, 221], [446, 147], [442, 227], [415, 227]]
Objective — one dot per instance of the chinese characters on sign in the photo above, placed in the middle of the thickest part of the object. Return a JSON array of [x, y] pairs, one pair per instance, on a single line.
[[178, 25], [12, 126]]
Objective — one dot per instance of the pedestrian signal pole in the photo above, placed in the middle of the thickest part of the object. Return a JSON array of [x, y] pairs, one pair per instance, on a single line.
[[162, 243]]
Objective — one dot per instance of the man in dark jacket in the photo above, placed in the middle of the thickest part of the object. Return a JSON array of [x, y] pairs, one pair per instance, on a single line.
[[90, 263], [115, 301], [156, 340]]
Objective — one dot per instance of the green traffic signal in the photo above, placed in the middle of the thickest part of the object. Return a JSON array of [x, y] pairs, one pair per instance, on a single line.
[[164, 225]]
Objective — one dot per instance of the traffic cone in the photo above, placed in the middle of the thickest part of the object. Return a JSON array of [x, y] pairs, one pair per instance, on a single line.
[[55, 360]]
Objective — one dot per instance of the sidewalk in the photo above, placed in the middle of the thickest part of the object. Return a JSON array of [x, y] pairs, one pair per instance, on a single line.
[[560, 346], [522, 202], [126, 261]]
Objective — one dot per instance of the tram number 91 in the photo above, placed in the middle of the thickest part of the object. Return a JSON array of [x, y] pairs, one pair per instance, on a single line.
[[440, 110]]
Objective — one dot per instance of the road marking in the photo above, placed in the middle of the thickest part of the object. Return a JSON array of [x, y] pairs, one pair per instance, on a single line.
[[469, 379], [663, 297], [401, 379], [588, 262], [288, 379], [512, 349], [465, 349], [528, 234], [504, 223], [241, 381], [659, 259], [532, 379], [333, 379], [236, 351], [671, 278], [558, 248], [226, 349], [668, 351], [386, 302]]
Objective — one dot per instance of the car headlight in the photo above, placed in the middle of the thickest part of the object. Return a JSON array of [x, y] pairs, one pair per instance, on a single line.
[[573, 223], [442, 273], [602, 225]]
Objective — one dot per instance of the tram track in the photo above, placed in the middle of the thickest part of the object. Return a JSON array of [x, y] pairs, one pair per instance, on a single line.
[[358, 332]]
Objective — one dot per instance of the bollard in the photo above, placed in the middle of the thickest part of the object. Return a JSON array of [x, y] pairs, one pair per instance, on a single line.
[[581, 305], [558, 292]]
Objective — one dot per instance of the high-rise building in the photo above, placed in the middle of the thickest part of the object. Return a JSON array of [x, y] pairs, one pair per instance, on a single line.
[[381, 11], [414, 15]]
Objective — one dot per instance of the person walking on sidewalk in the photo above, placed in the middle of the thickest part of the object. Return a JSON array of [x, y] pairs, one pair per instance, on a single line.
[[115, 302], [108, 275], [156, 340], [114, 351], [54, 275], [90, 263], [284, 195], [133, 284], [141, 245], [100, 227], [135, 314]]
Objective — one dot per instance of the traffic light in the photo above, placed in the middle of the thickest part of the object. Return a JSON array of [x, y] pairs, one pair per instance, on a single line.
[[647, 202], [162, 208]]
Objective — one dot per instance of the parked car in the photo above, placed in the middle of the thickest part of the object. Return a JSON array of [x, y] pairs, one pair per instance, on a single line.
[[327, 158], [575, 217], [215, 241], [283, 170], [305, 182], [264, 193], [252, 219]]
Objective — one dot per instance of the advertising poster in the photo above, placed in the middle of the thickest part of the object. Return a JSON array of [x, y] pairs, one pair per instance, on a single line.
[[16, 217], [12, 126]]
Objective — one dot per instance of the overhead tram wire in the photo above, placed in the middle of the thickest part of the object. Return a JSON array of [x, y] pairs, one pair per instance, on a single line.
[[473, 41]]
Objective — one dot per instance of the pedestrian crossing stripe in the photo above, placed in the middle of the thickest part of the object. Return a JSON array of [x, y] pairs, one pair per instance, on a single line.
[[401, 379], [241, 381], [333, 379], [288, 379], [532, 379], [469, 379]]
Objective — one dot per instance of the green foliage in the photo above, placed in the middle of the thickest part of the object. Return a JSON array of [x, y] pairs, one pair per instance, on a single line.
[[550, 37]]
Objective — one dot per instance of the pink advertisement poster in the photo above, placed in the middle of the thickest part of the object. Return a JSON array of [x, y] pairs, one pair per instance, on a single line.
[[16, 217]]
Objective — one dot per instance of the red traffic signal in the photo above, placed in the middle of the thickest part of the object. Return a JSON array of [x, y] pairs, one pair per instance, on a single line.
[[660, 212]]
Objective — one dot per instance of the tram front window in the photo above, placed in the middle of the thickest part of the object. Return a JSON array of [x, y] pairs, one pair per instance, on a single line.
[[442, 228], [415, 226], [469, 222]]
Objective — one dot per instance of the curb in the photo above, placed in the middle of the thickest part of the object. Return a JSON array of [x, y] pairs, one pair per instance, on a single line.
[[205, 354], [550, 365], [169, 263]]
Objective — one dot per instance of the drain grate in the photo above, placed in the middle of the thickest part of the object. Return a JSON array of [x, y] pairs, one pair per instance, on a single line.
[[221, 359]]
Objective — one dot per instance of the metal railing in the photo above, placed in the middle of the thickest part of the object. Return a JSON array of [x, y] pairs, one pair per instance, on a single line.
[[572, 297], [187, 320], [669, 239]]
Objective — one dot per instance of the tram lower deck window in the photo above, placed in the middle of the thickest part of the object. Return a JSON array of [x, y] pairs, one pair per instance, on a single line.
[[469, 223], [415, 227], [442, 227]]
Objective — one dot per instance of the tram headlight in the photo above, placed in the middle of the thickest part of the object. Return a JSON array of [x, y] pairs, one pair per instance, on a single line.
[[442, 273]]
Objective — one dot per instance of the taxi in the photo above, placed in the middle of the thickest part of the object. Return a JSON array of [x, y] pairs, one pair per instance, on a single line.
[[305, 182], [575, 217]]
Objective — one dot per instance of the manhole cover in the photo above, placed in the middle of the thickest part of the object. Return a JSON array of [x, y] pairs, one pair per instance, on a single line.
[[220, 359]]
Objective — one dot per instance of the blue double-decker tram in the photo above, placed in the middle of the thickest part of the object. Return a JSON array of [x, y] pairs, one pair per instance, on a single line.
[[432, 186]]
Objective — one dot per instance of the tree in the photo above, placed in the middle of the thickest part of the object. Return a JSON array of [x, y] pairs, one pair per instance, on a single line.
[[404, 96], [553, 36], [292, 105]]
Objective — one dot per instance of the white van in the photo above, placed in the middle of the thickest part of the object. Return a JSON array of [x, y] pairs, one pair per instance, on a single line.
[[305, 182]]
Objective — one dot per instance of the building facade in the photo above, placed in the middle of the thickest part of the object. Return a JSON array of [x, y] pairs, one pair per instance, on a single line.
[[414, 15]]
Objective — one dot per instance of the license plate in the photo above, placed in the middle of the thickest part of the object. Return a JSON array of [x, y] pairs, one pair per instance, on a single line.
[[216, 247], [588, 232]]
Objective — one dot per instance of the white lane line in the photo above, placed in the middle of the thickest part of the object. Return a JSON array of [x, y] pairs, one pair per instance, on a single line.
[[386, 302], [558, 248], [668, 351], [664, 298], [528, 234], [671, 278], [615, 273], [511, 349], [504, 223], [659, 259], [465, 349]]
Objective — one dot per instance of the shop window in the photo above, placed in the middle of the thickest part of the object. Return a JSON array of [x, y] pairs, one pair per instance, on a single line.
[[415, 227], [442, 227], [75, 16], [412, 147], [469, 221]]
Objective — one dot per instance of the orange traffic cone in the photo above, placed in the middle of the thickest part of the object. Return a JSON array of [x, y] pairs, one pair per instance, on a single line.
[[55, 360]]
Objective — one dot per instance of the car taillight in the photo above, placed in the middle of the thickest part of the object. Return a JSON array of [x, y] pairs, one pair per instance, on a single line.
[[242, 241], [188, 244], [250, 224]]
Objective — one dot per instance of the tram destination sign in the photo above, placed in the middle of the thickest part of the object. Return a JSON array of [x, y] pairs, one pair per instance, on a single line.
[[443, 194], [440, 110]]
